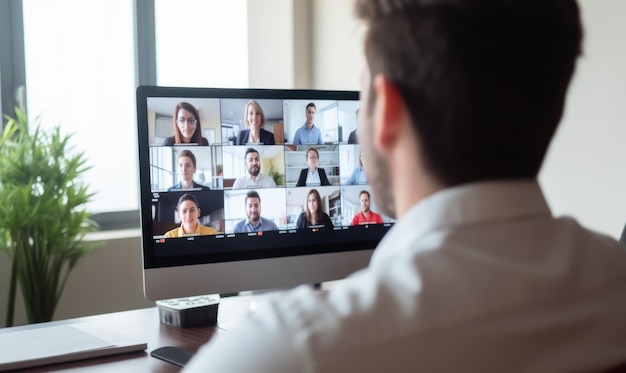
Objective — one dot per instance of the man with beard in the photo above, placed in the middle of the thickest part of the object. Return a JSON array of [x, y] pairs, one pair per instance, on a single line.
[[254, 178], [461, 100], [254, 222], [366, 216]]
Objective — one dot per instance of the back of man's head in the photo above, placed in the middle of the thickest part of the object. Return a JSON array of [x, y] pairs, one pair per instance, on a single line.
[[484, 80]]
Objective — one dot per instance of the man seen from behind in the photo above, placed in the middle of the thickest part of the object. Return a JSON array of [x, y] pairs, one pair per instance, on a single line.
[[461, 99]]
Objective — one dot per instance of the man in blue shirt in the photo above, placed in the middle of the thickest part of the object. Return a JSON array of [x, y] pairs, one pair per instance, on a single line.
[[358, 175], [254, 222], [308, 133]]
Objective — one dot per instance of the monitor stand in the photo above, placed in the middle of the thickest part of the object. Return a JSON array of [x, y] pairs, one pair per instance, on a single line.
[[181, 313], [189, 311], [243, 302]]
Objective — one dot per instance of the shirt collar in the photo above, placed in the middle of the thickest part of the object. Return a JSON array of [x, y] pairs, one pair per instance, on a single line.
[[252, 226], [468, 204], [258, 177]]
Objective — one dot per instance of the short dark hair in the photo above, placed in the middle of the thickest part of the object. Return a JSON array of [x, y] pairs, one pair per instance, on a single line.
[[311, 104], [365, 192], [250, 150], [252, 194], [484, 81], [187, 197]]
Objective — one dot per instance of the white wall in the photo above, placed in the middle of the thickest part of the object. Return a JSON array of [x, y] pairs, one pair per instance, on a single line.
[[107, 280], [279, 52], [585, 171], [271, 43], [337, 53]]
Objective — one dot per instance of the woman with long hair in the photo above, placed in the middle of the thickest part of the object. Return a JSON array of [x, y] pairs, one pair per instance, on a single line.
[[187, 128], [313, 215]]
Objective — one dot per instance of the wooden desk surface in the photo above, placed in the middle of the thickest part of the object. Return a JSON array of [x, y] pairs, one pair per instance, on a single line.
[[144, 324]]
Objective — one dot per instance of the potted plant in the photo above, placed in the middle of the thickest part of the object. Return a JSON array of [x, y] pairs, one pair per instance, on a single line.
[[275, 175], [43, 216]]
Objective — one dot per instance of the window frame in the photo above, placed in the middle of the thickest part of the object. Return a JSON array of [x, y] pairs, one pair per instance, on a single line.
[[12, 59], [13, 76]]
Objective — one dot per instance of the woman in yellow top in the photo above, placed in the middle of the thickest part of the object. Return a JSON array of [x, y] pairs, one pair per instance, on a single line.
[[188, 212]]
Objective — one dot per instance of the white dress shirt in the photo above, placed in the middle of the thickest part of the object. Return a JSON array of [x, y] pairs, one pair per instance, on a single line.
[[262, 181], [313, 178], [476, 278]]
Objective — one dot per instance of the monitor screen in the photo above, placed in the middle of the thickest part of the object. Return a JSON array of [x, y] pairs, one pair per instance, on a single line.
[[245, 189]]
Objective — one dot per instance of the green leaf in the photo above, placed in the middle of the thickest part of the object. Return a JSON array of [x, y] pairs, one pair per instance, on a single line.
[[43, 216]]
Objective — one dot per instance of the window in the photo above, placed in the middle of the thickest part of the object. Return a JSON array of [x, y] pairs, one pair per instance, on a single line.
[[80, 73]]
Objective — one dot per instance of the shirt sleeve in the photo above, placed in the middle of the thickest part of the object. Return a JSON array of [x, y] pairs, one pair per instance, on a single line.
[[172, 234], [352, 178], [301, 223], [269, 137], [296, 138], [328, 222], [240, 138], [260, 343]]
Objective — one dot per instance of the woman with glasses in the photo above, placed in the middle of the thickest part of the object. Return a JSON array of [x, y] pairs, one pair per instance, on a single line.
[[187, 129], [313, 175]]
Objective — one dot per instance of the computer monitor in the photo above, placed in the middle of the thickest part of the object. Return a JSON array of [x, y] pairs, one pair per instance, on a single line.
[[225, 210]]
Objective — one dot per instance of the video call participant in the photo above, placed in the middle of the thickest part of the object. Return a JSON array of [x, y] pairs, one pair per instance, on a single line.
[[308, 133], [477, 274], [254, 222], [253, 178], [366, 216], [358, 174], [313, 175], [313, 216], [186, 170], [188, 211], [255, 121], [187, 128], [353, 138]]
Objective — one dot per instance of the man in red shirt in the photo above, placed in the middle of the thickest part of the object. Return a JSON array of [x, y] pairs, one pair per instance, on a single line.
[[366, 216]]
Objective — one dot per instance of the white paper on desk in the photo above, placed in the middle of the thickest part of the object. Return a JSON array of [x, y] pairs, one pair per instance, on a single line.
[[55, 344]]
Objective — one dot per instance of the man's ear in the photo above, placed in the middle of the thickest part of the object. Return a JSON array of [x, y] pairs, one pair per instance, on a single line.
[[389, 112]]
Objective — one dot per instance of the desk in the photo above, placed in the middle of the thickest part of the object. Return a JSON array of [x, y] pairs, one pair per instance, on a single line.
[[144, 324]]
